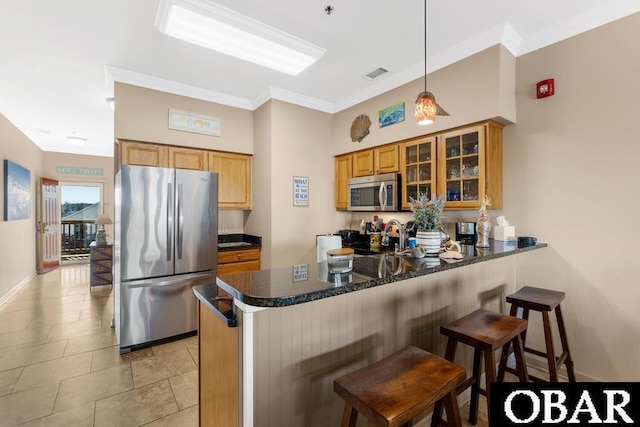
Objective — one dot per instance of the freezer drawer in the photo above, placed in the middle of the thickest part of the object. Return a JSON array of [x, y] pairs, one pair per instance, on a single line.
[[156, 309]]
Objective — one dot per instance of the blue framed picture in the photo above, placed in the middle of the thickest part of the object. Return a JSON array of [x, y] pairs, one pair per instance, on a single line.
[[17, 192], [391, 115]]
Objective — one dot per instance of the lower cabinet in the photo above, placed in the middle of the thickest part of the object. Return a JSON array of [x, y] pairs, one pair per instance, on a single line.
[[218, 365], [240, 260]]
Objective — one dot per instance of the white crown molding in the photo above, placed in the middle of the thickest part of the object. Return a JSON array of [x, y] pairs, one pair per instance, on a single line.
[[603, 14], [129, 77], [297, 99], [503, 34], [510, 39]]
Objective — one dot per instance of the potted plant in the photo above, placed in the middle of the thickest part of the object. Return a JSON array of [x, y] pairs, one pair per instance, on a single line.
[[427, 216]]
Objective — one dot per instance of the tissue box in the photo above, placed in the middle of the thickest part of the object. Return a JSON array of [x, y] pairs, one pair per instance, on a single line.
[[502, 232]]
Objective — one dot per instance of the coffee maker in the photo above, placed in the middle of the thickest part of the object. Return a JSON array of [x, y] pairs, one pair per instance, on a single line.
[[466, 233]]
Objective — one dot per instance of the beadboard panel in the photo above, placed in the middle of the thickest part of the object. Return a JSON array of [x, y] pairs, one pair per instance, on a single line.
[[299, 350]]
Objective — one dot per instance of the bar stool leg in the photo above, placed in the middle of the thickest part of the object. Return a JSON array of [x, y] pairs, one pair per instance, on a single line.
[[565, 345], [490, 376], [521, 364], [451, 406], [475, 386], [504, 356], [449, 355], [551, 355], [349, 416]]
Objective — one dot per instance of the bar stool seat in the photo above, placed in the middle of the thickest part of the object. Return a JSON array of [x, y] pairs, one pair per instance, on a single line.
[[543, 300], [392, 391], [486, 332]]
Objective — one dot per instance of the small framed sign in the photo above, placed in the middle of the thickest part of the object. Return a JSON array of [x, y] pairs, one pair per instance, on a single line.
[[300, 272], [300, 191]]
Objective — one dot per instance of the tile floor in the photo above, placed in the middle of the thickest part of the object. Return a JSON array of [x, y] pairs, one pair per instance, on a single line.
[[60, 365]]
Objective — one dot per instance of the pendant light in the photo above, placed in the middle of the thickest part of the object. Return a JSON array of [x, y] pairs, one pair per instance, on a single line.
[[426, 107]]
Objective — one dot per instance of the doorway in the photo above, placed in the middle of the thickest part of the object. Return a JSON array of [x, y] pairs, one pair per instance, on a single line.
[[80, 206]]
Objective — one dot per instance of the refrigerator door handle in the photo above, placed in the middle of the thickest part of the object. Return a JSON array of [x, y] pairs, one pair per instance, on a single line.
[[180, 222], [169, 221], [160, 283]]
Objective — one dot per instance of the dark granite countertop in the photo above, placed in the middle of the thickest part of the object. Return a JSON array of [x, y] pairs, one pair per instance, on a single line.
[[302, 283], [234, 242]]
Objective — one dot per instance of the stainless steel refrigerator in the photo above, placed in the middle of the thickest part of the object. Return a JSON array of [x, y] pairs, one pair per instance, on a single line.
[[166, 242]]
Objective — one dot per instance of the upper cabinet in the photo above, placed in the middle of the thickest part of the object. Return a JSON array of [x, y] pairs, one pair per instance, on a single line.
[[376, 161], [418, 174], [234, 179], [343, 171], [363, 163], [386, 159], [142, 154], [234, 170], [470, 166], [188, 158], [464, 165]]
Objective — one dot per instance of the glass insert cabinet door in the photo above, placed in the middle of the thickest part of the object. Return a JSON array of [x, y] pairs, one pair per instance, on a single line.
[[461, 167], [418, 168]]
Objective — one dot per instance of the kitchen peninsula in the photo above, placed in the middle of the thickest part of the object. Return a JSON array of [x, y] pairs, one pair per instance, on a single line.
[[272, 341]]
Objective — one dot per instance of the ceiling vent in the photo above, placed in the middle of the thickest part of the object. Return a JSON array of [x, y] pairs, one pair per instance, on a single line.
[[375, 73]]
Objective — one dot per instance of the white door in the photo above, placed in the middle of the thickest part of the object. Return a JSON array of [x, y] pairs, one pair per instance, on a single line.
[[49, 245]]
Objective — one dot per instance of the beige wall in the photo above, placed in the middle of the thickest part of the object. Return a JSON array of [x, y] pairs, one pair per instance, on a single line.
[[293, 142], [259, 220], [570, 169], [143, 115], [471, 90], [18, 237]]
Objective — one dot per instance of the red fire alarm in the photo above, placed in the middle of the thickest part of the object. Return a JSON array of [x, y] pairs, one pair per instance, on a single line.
[[545, 88]]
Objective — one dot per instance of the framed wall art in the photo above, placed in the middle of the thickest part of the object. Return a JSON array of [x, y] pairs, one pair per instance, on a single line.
[[17, 192], [391, 115]]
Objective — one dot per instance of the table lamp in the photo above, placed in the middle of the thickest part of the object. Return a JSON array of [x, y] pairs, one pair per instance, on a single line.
[[101, 235]]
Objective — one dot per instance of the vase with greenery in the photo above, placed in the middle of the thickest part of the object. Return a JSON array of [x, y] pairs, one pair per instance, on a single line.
[[427, 216]]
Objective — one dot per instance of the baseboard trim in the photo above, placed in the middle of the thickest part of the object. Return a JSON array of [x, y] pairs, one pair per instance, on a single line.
[[16, 289]]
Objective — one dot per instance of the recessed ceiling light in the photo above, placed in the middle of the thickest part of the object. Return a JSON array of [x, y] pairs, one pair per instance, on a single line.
[[224, 30], [76, 140]]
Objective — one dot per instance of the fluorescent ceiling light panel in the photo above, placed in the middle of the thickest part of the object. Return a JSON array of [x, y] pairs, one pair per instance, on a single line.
[[224, 30]]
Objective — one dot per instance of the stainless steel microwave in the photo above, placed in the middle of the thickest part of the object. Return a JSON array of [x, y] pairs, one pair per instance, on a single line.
[[374, 193]]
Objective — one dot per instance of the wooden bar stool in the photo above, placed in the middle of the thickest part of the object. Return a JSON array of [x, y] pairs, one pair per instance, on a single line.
[[544, 301], [394, 390], [486, 332]]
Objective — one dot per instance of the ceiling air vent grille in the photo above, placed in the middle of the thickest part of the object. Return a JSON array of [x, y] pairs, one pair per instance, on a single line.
[[375, 73]]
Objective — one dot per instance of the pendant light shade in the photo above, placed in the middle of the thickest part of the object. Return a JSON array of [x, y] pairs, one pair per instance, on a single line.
[[426, 107]]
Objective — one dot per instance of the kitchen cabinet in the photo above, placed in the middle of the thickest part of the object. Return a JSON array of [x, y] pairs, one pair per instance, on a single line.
[[238, 260], [343, 171], [470, 166], [218, 367], [234, 179], [418, 160], [142, 154], [363, 163], [188, 158], [376, 161], [386, 159], [234, 170]]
